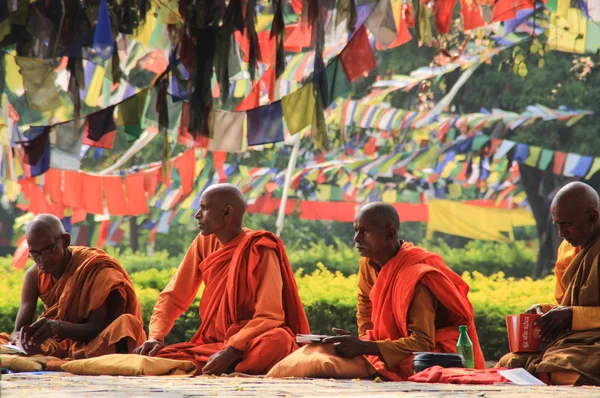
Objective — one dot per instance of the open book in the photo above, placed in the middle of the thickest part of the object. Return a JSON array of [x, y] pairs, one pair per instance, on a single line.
[[11, 349], [310, 338]]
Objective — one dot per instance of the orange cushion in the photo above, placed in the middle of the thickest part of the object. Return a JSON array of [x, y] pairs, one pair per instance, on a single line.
[[320, 360]]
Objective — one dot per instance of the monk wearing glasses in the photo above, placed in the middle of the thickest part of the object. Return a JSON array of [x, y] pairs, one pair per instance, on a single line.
[[90, 306]]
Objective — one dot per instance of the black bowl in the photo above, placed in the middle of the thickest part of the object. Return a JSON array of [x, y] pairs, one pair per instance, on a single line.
[[424, 360]]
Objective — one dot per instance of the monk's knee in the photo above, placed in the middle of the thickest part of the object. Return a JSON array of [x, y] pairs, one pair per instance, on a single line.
[[511, 361]]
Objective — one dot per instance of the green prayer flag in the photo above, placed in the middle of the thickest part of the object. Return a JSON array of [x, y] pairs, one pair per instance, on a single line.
[[545, 159], [337, 80], [479, 141]]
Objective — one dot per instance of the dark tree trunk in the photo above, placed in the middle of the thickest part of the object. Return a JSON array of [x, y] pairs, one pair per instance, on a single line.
[[540, 187], [133, 234]]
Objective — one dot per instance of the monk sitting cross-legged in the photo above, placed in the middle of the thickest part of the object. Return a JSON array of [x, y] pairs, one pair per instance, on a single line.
[[250, 308], [571, 327], [408, 301], [91, 307]]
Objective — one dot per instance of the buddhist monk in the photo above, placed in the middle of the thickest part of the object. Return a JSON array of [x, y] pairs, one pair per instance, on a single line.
[[250, 308], [570, 328], [91, 307], [408, 301]]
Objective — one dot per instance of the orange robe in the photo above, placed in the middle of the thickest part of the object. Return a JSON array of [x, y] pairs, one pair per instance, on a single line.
[[575, 355], [414, 282], [89, 278], [250, 302]]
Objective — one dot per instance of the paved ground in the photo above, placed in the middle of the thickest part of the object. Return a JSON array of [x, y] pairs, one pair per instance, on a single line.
[[65, 385]]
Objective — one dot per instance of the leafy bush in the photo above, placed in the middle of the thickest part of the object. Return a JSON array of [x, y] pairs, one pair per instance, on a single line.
[[134, 262], [329, 299], [338, 257], [515, 259]]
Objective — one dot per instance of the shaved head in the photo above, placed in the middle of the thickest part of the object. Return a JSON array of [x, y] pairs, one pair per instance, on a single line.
[[228, 194], [48, 243], [380, 213], [576, 195], [222, 209], [376, 228], [45, 224], [575, 210]]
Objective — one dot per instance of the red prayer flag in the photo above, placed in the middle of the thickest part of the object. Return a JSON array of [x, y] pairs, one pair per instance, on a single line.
[[471, 15], [442, 14], [559, 162], [357, 58]]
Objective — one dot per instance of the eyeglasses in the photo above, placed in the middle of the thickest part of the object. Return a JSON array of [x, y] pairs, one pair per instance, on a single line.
[[44, 253]]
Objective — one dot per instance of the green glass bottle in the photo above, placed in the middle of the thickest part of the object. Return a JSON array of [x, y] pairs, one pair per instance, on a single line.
[[464, 347]]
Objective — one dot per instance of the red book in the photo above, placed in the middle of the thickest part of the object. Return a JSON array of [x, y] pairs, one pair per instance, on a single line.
[[523, 336]]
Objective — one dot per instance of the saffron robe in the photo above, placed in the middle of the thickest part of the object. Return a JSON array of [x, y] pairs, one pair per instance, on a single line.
[[576, 351], [413, 274], [250, 302], [90, 277]]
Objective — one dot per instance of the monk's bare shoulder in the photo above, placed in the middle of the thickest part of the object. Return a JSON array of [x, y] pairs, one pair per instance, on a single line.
[[30, 284]]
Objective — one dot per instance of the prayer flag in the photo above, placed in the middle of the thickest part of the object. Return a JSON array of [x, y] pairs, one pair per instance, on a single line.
[[103, 38], [298, 108], [357, 57], [265, 124], [228, 131]]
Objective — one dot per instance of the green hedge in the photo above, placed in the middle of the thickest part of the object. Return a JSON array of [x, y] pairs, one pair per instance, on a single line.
[[514, 259], [329, 300]]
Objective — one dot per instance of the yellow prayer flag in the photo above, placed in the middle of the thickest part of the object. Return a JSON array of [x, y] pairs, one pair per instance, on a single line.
[[534, 156], [144, 33], [299, 108], [95, 87], [448, 169], [13, 78], [594, 169], [390, 196], [324, 192], [568, 28], [454, 191], [239, 90], [475, 222]]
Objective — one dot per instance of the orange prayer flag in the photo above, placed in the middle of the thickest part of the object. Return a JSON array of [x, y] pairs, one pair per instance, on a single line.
[[114, 193], [78, 215], [151, 180], [138, 202], [53, 185], [20, 257], [92, 193], [186, 166], [72, 192], [38, 203]]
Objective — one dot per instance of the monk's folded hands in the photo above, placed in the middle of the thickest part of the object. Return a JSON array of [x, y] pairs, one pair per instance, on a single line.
[[220, 362]]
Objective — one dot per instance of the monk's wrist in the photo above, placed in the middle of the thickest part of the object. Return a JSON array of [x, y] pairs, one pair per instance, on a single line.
[[370, 348], [234, 352]]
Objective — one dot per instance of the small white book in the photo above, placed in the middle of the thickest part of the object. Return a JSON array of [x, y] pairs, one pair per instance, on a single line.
[[12, 349], [310, 338]]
